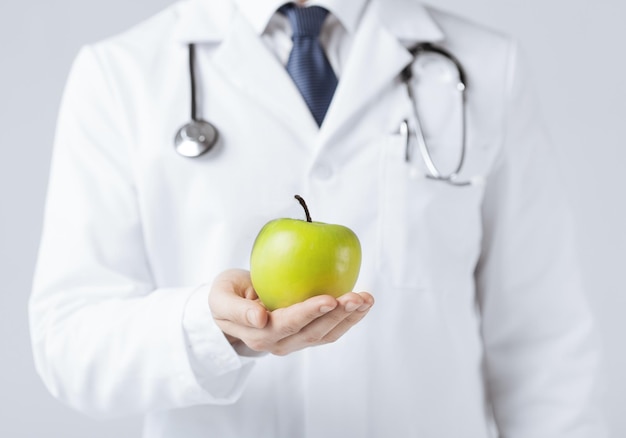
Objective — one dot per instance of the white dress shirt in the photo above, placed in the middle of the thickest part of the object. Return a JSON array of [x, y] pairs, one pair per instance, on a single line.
[[335, 36]]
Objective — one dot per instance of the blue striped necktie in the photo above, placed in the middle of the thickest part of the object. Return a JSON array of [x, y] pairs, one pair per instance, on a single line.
[[307, 65]]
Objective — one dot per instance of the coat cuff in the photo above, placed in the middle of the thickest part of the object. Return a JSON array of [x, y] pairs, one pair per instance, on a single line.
[[219, 370]]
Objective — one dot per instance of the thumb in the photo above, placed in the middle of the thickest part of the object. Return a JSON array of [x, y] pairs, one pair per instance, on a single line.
[[256, 315], [232, 298]]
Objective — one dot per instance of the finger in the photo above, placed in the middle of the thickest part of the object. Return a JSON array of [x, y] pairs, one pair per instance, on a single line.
[[350, 321], [232, 298], [287, 321], [368, 300], [254, 338], [282, 322], [352, 301], [352, 308], [241, 311], [315, 332]]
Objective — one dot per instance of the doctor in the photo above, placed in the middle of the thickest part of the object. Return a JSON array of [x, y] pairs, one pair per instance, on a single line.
[[142, 303]]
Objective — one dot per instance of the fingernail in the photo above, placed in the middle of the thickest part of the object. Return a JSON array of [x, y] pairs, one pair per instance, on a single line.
[[364, 307], [326, 309], [351, 307], [251, 315]]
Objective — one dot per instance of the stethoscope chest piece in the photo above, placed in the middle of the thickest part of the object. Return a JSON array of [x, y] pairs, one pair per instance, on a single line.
[[198, 136], [195, 138]]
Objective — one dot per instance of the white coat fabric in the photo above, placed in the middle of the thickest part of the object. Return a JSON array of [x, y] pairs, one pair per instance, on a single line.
[[480, 323]]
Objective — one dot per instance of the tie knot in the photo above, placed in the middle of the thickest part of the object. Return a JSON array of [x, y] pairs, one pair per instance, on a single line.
[[305, 21]]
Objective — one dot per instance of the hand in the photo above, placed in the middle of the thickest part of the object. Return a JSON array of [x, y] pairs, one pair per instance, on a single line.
[[239, 313]]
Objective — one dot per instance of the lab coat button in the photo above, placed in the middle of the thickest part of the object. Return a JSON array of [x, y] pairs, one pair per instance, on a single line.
[[323, 172]]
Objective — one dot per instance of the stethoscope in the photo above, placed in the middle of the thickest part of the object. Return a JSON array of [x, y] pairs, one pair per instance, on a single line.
[[433, 171], [199, 136]]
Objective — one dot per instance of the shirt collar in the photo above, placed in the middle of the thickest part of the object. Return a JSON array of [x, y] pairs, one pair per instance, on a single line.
[[208, 20], [259, 12]]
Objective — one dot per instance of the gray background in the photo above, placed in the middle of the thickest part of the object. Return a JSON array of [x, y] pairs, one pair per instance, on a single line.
[[577, 58]]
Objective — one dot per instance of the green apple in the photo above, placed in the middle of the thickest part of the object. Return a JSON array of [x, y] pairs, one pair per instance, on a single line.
[[293, 260]]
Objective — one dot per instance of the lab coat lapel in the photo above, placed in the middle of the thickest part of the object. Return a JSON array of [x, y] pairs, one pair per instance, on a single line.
[[201, 21], [377, 57], [245, 61]]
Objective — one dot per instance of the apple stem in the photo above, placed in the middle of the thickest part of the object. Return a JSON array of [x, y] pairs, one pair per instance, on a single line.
[[306, 209]]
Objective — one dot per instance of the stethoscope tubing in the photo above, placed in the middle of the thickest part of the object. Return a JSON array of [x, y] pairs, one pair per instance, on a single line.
[[197, 137], [407, 76], [192, 81]]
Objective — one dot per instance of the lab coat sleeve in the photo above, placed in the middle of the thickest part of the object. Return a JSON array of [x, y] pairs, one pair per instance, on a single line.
[[106, 339], [541, 352]]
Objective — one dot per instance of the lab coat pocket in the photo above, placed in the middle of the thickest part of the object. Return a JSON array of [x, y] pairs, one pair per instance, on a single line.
[[398, 261], [429, 231]]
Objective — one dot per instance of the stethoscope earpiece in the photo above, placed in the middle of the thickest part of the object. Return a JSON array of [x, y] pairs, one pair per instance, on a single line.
[[195, 138]]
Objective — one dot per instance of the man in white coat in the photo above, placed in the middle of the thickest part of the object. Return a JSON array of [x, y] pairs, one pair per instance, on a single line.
[[142, 302]]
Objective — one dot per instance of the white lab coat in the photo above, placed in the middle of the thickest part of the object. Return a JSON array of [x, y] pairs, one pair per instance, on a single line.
[[479, 312]]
